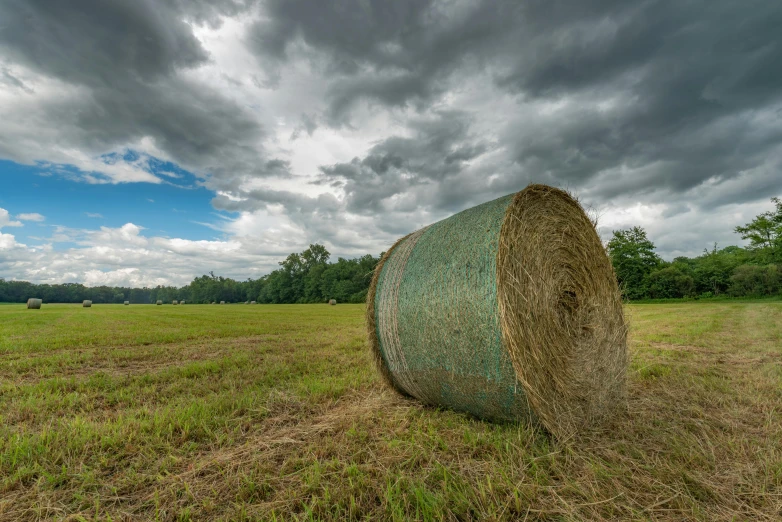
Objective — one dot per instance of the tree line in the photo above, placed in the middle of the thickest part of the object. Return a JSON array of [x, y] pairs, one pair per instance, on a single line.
[[308, 277], [753, 271], [305, 277]]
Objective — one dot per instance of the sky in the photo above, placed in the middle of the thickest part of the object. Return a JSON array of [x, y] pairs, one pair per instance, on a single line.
[[146, 142]]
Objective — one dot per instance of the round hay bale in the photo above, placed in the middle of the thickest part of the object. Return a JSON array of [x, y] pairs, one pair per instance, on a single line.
[[86, 303], [252, 302], [127, 303], [174, 302], [509, 311], [181, 302], [159, 302], [332, 302], [34, 303]]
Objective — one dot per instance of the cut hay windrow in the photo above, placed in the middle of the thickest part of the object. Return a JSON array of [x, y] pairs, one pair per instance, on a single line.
[[34, 303], [332, 302], [86, 303], [509, 311]]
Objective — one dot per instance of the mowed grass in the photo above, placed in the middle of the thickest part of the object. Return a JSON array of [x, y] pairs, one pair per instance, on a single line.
[[241, 412]]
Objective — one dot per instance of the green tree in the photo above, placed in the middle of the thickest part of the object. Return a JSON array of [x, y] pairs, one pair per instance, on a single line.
[[670, 282], [765, 233], [756, 281], [634, 259]]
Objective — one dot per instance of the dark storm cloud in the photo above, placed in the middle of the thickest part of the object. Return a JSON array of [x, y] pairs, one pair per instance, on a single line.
[[126, 55], [438, 150], [661, 95], [390, 52]]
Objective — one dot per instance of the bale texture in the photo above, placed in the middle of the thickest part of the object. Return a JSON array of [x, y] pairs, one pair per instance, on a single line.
[[34, 303], [86, 303], [159, 302], [509, 311], [127, 303], [332, 302]]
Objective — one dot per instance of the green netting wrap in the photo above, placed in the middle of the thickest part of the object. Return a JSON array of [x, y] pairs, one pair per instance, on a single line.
[[508, 310]]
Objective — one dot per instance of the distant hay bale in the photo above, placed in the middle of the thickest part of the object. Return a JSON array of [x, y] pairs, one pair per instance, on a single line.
[[127, 303], [174, 302], [247, 302], [509, 311], [86, 303], [222, 302], [34, 303], [332, 302], [181, 302], [252, 302], [159, 302]]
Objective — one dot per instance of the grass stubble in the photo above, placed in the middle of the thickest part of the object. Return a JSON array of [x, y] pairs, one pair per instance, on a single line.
[[276, 413]]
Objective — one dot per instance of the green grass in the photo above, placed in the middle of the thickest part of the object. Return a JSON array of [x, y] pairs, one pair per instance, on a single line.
[[201, 412]]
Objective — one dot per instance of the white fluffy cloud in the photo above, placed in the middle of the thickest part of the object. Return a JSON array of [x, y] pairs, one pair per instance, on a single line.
[[33, 216], [6, 221], [124, 256]]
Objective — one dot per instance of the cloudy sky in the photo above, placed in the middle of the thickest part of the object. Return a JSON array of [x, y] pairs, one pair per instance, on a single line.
[[145, 142]]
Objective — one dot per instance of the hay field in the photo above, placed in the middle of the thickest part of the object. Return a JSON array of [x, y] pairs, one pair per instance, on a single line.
[[275, 413]]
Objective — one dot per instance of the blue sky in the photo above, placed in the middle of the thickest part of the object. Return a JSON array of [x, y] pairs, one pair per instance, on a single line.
[[222, 136], [175, 208]]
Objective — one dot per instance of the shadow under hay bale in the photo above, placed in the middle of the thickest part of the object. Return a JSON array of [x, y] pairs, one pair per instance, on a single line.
[[509, 311], [34, 303], [86, 303]]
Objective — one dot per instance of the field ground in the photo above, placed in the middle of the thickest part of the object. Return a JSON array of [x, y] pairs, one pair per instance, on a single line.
[[275, 413]]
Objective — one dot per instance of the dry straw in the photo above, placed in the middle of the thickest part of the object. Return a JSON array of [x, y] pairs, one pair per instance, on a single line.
[[509, 310], [34, 303], [86, 303], [332, 302]]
